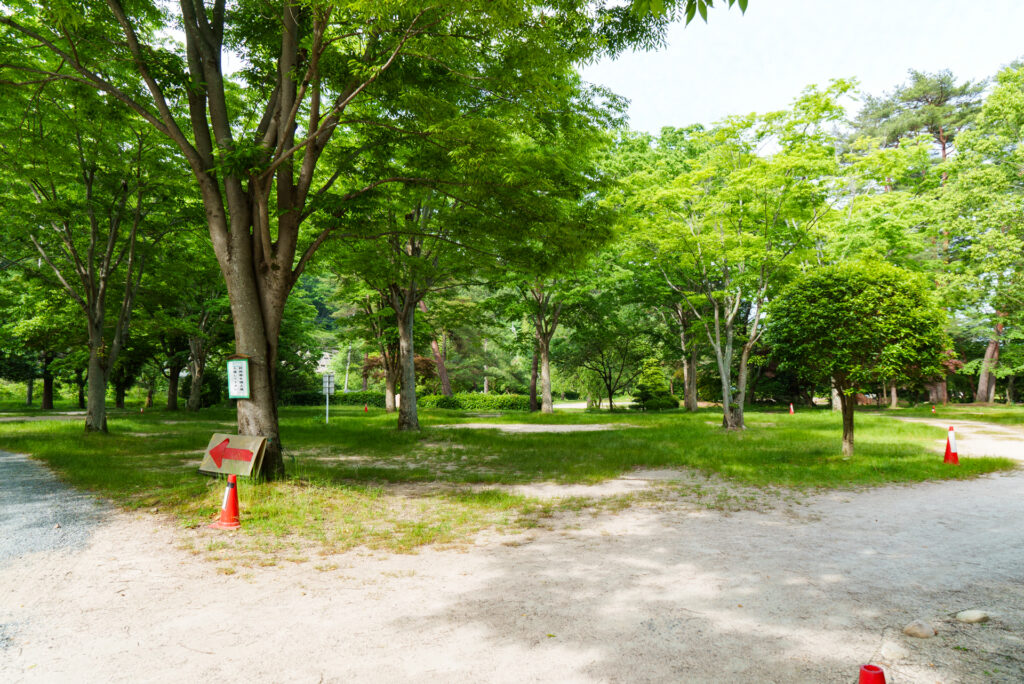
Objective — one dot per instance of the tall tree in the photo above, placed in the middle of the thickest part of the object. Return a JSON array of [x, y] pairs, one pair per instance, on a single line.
[[94, 185]]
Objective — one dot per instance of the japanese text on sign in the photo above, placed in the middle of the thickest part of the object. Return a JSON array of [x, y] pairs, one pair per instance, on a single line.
[[238, 378]]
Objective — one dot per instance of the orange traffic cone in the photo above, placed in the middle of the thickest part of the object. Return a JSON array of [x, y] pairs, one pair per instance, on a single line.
[[229, 509], [951, 456], [871, 674], [791, 411], [933, 408]]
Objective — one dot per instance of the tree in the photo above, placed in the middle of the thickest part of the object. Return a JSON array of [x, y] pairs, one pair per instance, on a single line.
[[607, 334], [929, 103], [980, 206], [93, 188], [726, 230], [857, 324]]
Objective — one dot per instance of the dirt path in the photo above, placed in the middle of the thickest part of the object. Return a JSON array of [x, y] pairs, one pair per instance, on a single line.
[[975, 438], [649, 594]]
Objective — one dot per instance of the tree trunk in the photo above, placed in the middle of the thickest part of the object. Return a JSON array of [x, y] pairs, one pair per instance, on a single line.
[[257, 303], [119, 391], [728, 419], [366, 362], [893, 398], [96, 406], [390, 383], [690, 381], [442, 369], [80, 382], [741, 386], [1009, 390], [848, 402], [150, 391], [836, 399], [197, 347], [986, 379], [30, 385], [407, 418], [47, 402], [173, 377], [534, 406], [348, 366], [544, 347], [486, 384], [195, 391]]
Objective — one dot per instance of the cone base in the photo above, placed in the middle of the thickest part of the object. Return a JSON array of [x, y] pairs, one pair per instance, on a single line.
[[221, 525]]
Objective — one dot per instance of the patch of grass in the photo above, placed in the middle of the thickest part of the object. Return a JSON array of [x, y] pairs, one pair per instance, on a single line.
[[360, 483]]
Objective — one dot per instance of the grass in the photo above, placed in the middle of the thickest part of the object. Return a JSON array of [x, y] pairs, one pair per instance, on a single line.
[[359, 483]]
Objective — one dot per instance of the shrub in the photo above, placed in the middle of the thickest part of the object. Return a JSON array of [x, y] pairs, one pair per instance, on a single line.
[[471, 401], [375, 399], [661, 403], [437, 401]]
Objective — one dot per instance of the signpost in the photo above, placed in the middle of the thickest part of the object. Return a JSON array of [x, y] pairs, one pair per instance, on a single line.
[[233, 455], [238, 376], [328, 391]]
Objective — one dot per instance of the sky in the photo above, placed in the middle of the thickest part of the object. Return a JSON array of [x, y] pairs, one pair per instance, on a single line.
[[760, 61]]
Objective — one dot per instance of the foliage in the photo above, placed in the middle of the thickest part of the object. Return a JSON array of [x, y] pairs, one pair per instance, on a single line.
[[858, 323], [472, 401]]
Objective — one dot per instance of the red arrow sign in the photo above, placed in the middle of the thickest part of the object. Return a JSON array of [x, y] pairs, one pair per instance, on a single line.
[[222, 452]]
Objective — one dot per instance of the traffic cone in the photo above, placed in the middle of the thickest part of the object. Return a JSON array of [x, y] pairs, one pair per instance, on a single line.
[[229, 509], [871, 674], [933, 408], [791, 411], [366, 408], [951, 456]]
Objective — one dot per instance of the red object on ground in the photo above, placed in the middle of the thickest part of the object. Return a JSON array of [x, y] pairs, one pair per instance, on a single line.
[[951, 456], [933, 408], [222, 452], [791, 411], [366, 408], [871, 674], [229, 509]]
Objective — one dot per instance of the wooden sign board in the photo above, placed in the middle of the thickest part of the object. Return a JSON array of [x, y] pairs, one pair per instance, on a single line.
[[233, 455]]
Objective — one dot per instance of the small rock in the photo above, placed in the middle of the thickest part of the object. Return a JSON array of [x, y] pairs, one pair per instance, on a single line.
[[972, 616], [56, 526], [892, 651], [919, 629]]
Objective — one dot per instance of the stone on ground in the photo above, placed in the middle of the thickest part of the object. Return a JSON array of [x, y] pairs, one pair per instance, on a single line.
[[972, 616], [919, 629]]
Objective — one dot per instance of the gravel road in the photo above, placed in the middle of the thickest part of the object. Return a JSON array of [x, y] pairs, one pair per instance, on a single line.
[[38, 512]]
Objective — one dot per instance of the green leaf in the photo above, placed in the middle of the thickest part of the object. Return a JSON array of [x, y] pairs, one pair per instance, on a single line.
[[703, 9], [691, 10]]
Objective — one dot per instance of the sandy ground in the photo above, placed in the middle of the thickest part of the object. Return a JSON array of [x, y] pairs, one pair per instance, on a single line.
[[648, 594]]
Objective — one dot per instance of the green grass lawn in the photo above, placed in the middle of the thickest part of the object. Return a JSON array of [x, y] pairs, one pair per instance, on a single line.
[[358, 481]]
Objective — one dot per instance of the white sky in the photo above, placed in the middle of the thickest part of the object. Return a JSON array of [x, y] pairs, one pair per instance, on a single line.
[[760, 61]]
